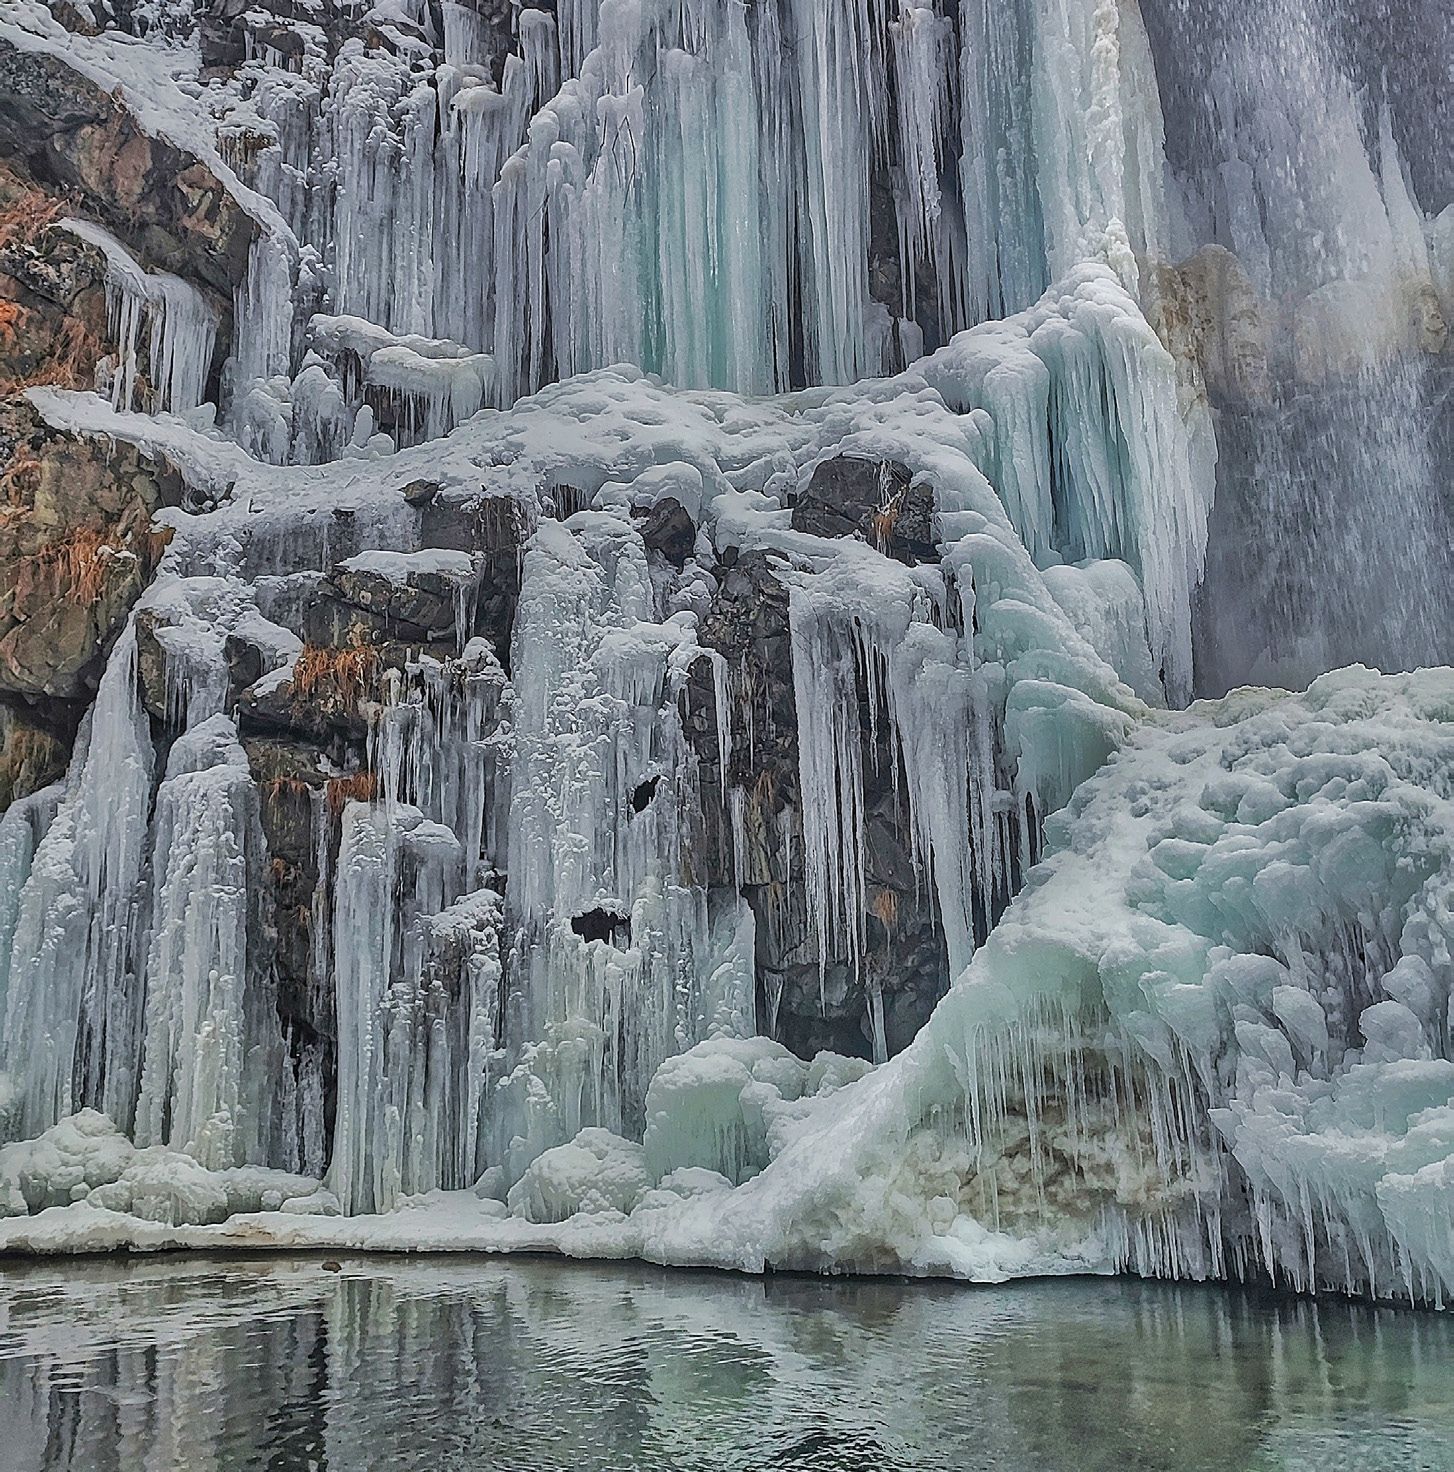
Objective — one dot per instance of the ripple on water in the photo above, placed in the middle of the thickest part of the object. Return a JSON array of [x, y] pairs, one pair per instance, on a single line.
[[152, 1365]]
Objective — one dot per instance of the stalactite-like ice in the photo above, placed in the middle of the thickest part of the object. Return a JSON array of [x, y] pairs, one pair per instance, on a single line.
[[211, 1052], [73, 1010], [181, 328], [695, 188], [1091, 450]]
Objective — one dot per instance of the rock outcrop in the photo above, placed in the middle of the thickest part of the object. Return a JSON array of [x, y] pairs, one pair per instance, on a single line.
[[66, 137]]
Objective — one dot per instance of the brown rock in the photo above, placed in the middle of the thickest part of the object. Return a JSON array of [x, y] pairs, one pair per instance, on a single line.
[[33, 750], [76, 550], [1209, 314], [65, 135]]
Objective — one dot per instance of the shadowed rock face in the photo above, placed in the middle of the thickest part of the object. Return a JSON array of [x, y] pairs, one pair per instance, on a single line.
[[877, 501], [70, 139], [807, 1003], [76, 550], [76, 546]]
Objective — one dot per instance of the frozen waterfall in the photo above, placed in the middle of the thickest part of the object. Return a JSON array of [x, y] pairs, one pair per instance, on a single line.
[[662, 723]]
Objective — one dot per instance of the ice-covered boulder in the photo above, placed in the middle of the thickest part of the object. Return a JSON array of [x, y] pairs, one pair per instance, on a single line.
[[596, 1172], [728, 1104], [85, 1158]]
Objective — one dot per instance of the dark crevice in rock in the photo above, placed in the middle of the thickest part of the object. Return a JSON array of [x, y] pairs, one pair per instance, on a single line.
[[642, 796], [602, 924]]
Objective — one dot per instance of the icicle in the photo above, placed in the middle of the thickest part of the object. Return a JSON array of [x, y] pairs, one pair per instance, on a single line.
[[72, 1028], [212, 1047], [22, 827], [181, 328]]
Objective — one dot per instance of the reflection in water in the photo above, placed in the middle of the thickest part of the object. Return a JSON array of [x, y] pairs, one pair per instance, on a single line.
[[157, 1365]]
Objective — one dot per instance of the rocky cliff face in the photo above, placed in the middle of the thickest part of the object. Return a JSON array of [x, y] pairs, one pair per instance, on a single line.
[[77, 545]]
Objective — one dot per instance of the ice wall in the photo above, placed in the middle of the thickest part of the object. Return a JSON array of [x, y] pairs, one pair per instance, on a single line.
[[439, 806], [1288, 147], [748, 198], [73, 1009]]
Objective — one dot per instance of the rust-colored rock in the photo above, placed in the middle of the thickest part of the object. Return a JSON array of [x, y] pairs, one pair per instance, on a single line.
[[1208, 312], [53, 316], [66, 136], [76, 549]]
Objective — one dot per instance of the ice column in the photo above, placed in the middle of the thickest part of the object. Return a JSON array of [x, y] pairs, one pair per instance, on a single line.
[[618, 967], [22, 826], [212, 1048], [72, 1027], [417, 984]]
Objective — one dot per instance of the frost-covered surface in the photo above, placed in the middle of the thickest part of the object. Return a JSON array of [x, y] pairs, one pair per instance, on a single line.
[[477, 1030], [85, 1158], [411, 881], [1213, 1034]]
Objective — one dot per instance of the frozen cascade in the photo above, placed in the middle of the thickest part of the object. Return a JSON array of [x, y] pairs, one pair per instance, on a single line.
[[181, 329], [1287, 154], [73, 1010], [22, 826], [211, 1052], [1092, 450], [692, 186], [700, 532], [415, 1032], [619, 968]]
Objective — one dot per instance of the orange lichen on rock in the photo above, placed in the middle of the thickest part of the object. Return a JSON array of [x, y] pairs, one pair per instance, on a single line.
[[26, 215], [276, 787], [884, 907], [79, 567]]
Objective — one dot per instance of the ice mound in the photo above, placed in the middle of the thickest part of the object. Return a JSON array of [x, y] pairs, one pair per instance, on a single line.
[[85, 1158], [1212, 1036], [729, 1105], [595, 1172]]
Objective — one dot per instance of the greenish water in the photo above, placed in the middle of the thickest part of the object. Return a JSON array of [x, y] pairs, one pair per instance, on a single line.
[[159, 1364]]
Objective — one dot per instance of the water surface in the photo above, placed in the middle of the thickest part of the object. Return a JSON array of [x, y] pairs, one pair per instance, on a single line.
[[151, 1365]]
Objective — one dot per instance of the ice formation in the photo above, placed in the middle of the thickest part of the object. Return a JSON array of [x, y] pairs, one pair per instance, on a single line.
[[181, 328], [1232, 965], [443, 839]]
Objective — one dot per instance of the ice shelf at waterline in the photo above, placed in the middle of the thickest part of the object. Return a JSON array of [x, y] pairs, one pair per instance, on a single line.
[[680, 569]]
